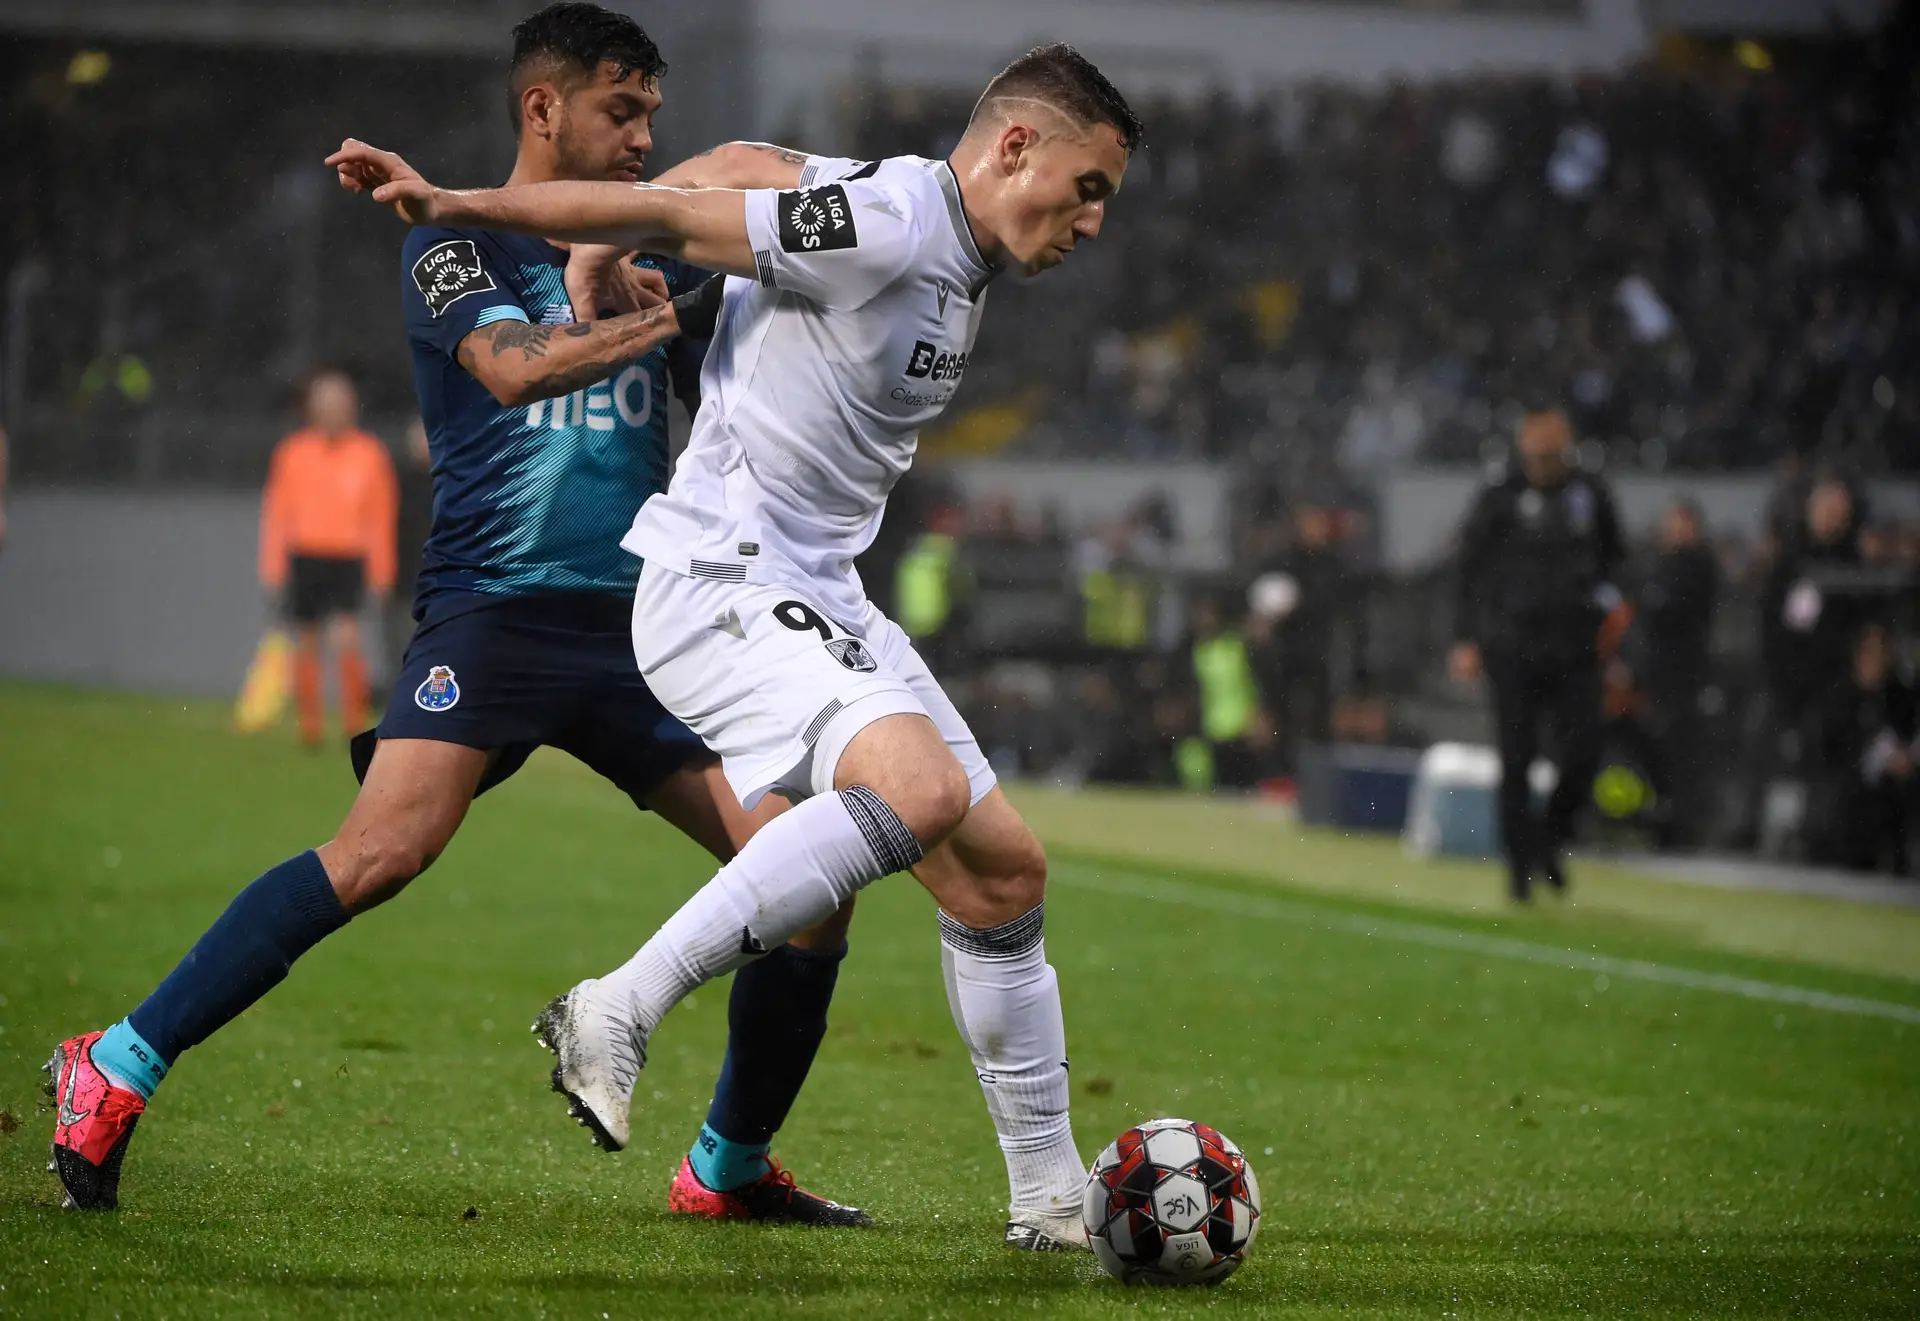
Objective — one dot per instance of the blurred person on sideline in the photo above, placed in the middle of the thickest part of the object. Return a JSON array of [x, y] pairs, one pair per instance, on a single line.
[[1292, 609], [1676, 608], [327, 525], [1232, 721], [1865, 746], [1538, 554], [930, 587], [1809, 627], [415, 523]]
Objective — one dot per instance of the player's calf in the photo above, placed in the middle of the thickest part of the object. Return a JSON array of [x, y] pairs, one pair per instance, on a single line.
[[372, 866], [989, 878]]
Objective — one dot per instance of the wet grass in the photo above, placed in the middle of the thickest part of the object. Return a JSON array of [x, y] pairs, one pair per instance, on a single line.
[[1438, 1130]]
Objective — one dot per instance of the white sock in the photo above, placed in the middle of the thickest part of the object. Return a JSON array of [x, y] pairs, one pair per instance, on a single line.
[[799, 868], [1006, 1003]]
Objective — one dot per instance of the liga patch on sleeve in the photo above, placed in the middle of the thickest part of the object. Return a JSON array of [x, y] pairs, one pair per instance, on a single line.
[[816, 220], [450, 271]]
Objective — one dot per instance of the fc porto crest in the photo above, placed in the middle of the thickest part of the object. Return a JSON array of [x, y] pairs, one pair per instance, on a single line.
[[440, 692]]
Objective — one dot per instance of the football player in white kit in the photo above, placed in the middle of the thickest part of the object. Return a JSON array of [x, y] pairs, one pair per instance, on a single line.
[[858, 292]]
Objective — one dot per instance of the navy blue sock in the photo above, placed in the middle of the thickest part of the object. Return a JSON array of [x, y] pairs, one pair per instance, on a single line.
[[243, 955], [775, 1019]]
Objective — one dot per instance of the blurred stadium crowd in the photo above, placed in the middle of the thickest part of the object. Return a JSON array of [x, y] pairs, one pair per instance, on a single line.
[[1710, 261], [1757, 695], [1715, 265]]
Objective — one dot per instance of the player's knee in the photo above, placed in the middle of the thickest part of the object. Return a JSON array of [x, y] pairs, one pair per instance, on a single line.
[[1027, 873], [998, 884], [374, 867], [934, 804], [1017, 883]]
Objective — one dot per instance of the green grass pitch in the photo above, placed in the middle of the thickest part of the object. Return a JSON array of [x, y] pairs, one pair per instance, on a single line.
[[1636, 1103]]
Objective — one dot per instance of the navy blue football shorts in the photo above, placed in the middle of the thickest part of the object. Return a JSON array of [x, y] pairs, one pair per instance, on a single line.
[[510, 673]]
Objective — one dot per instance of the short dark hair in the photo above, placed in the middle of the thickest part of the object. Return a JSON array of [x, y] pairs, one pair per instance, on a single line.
[[1063, 78], [569, 42]]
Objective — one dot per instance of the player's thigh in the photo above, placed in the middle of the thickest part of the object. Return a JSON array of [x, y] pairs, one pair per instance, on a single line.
[[988, 871], [414, 798], [763, 678], [902, 758], [697, 801]]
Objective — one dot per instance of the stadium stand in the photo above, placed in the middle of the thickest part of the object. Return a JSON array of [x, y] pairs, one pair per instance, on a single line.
[[1709, 258]]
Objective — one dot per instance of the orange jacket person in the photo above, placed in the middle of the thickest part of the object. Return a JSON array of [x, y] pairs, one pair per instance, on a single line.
[[327, 528]]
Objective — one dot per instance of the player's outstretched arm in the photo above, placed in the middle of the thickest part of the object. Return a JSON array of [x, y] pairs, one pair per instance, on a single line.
[[521, 363], [737, 165], [707, 227]]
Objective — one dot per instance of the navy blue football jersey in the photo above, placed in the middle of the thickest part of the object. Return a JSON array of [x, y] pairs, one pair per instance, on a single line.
[[532, 498]]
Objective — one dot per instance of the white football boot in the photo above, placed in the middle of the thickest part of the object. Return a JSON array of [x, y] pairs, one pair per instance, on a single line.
[[597, 1055], [1033, 1229]]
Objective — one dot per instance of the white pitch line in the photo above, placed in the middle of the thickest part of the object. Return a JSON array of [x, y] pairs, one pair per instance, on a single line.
[[1139, 885]]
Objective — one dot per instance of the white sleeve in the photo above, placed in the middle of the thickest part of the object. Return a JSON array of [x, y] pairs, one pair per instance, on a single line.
[[831, 169], [838, 244]]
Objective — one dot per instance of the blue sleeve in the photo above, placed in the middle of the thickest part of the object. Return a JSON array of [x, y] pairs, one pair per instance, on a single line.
[[450, 286]]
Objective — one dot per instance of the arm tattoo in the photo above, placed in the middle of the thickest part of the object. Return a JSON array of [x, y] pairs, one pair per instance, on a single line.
[[780, 154], [532, 341], [600, 361]]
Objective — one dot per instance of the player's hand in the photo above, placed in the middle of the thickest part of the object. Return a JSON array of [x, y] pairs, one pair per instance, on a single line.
[[601, 278], [1463, 662], [387, 178], [697, 311]]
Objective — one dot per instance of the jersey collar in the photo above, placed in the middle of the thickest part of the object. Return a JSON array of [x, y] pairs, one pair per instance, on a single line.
[[950, 186]]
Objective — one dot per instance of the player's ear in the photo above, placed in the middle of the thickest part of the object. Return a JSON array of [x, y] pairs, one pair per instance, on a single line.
[[1017, 142], [540, 110]]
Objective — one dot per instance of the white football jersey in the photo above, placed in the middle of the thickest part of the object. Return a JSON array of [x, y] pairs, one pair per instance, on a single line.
[[821, 373]]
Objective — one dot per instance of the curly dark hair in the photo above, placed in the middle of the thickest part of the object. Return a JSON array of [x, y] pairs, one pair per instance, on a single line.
[[1063, 78], [569, 42]]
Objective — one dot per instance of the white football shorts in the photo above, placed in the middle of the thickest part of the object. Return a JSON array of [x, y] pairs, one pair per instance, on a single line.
[[776, 688]]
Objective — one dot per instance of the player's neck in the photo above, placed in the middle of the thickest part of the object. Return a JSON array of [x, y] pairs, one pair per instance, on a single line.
[[533, 167], [969, 174]]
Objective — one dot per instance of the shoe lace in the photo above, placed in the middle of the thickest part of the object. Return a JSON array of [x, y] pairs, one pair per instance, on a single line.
[[780, 1177], [118, 1105]]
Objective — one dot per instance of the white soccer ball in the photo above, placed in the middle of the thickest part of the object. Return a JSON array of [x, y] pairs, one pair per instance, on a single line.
[[1171, 1202]]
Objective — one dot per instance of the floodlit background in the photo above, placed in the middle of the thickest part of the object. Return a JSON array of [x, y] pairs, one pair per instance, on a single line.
[[1359, 233]]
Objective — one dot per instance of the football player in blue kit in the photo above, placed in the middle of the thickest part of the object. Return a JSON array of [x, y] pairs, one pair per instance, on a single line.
[[547, 432]]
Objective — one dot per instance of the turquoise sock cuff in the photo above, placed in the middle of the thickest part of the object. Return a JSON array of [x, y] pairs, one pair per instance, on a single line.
[[723, 1165], [124, 1056]]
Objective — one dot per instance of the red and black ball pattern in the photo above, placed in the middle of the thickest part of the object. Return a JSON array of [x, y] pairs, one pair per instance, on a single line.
[[1171, 1202]]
